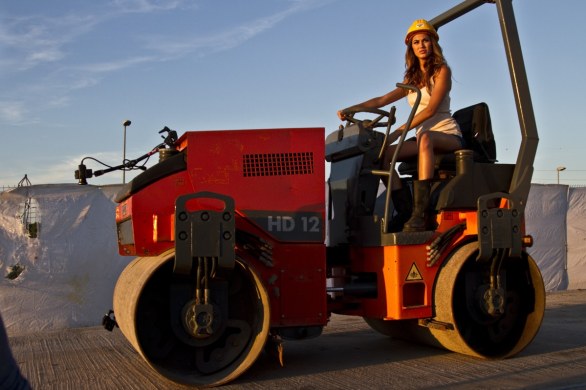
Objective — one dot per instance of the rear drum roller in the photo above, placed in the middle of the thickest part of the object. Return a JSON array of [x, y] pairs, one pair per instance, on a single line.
[[470, 317], [463, 298], [155, 311]]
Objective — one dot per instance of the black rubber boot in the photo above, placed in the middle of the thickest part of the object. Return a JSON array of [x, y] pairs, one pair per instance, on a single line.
[[403, 204], [419, 219]]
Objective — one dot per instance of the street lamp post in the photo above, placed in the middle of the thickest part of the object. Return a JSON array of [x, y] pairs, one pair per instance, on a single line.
[[126, 123], [559, 169]]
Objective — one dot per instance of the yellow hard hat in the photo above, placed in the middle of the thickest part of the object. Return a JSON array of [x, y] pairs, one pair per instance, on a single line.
[[420, 25]]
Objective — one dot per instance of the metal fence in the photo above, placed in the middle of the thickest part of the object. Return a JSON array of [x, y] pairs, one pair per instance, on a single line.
[[6, 188]]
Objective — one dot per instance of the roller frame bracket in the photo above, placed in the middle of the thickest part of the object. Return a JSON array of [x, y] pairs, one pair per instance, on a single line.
[[499, 228], [204, 233], [431, 323]]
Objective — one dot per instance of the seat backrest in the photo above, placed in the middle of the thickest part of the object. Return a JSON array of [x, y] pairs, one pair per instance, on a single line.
[[474, 122]]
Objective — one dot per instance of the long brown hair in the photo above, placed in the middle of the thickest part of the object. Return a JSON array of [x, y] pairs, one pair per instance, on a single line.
[[413, 73]]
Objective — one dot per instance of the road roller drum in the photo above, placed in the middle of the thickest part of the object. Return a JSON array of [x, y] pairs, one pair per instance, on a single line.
[[153, 312]]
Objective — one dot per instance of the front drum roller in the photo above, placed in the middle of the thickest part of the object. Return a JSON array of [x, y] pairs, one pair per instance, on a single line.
[[465, 320], [152, 308]]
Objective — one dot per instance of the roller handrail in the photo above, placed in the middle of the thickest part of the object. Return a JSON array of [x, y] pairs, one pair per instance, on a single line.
[[397, 149], [387, 132]]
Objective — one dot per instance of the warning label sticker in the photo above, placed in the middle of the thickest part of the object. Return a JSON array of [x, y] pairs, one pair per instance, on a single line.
[[414, 273]]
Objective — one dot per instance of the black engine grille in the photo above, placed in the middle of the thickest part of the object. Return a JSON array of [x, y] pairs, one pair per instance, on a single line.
[[278, 164]]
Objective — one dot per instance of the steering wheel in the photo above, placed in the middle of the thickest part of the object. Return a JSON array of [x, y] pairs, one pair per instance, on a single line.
[[370, 122]]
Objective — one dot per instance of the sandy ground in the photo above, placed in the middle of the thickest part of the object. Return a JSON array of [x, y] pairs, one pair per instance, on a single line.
[[349, 355]]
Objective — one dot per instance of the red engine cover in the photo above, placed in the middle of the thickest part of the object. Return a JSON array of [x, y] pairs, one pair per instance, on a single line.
[[277, 180], [276, 177]]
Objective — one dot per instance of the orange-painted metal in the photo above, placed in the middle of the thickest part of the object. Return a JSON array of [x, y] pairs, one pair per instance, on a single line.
[[403, 277], [403, 273]]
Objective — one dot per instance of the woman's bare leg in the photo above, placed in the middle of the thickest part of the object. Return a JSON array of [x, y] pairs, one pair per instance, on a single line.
[[431, 142], [408, 150]]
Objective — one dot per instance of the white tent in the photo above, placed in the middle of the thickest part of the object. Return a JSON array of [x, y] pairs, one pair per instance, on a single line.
[[65, 276], [556, 218], [576, 233], [546, 221]]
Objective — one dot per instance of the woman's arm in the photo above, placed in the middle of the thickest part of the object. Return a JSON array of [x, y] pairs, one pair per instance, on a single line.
[[376, 102]]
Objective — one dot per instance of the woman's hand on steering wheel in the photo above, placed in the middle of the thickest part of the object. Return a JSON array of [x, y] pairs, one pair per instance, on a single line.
[[348, 115]]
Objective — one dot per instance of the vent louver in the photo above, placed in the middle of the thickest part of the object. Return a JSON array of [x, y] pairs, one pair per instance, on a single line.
[[278, 164]]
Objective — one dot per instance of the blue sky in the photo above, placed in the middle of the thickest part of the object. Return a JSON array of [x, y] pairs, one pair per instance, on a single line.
[[72, 71]]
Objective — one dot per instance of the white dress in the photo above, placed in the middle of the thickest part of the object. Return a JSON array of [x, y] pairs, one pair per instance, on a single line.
[[442, 120]]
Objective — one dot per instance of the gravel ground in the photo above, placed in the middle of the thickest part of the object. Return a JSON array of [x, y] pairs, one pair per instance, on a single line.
[[349, 355]]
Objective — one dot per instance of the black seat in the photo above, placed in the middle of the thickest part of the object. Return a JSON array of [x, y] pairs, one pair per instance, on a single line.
[[476, 128]]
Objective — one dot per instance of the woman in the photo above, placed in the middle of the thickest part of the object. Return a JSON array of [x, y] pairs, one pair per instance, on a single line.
[[436, 130]]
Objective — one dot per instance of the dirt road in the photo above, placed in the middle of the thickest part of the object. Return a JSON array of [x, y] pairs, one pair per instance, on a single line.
[[349, 355]]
